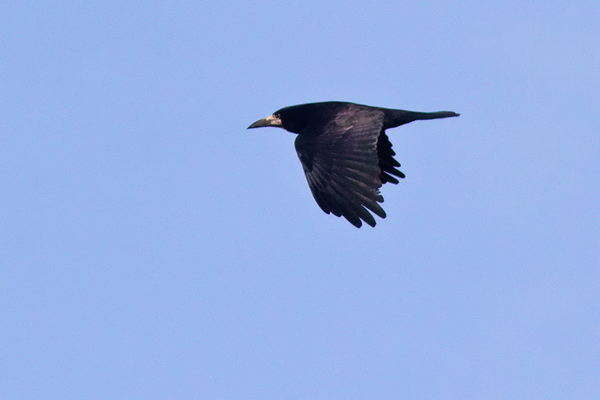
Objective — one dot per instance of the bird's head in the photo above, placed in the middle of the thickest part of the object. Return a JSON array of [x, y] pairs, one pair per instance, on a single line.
[[292, 119]]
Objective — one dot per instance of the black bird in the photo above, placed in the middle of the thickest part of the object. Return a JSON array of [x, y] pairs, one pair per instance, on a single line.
[[345, 153]]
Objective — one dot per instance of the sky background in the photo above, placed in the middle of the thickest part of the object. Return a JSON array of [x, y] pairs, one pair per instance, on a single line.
[[152, 247]]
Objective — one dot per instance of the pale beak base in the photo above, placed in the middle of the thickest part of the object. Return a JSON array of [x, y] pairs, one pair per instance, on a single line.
[[271, 120]]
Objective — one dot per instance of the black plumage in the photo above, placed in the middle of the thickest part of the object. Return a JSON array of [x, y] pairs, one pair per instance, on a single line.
[[345, 153]]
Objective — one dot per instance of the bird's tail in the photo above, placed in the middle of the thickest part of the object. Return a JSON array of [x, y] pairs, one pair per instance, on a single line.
[[400, 117]]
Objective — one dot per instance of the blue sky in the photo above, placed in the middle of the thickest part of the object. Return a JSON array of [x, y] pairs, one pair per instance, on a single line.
[[151, 247]]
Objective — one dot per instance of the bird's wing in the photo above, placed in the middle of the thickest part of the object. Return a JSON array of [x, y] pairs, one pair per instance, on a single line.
[[387, 162], [341, 163]]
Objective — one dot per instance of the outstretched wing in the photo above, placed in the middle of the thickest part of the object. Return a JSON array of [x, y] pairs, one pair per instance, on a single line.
[[387, 162], [342, 165]]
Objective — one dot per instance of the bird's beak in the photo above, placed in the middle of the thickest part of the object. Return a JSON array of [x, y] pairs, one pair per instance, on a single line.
[[271, 120]]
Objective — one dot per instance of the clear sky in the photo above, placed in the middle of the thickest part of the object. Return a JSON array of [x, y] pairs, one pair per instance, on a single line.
[[152, 247]]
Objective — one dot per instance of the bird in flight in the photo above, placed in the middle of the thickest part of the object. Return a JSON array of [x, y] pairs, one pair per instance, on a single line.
[[345, 153]]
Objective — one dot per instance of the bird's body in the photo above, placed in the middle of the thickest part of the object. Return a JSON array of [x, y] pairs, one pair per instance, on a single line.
[[345, 152]]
